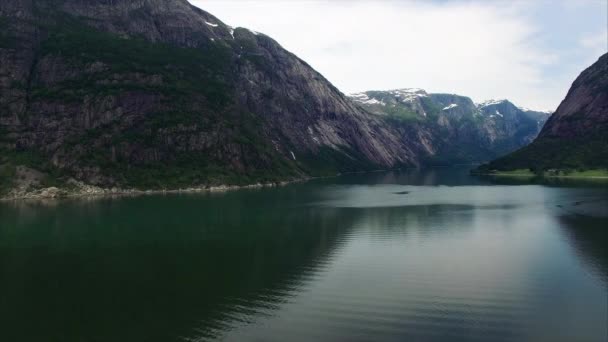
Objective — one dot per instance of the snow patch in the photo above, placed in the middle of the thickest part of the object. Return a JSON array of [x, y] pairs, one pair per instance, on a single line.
[[373, 102], [498, 113], [489, 103], [211, 24], [408, 94], [409, 90], [292, 155], [359, 96], [453, 105], [312, 134], [364, 99], [525, 109]]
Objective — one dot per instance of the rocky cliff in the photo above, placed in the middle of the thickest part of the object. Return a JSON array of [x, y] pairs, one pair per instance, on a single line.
[[576, 136], [454, 129], [160, 94]]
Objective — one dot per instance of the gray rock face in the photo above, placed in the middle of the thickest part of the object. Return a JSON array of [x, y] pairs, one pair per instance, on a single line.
[[452, 127], [585, 109], [158, 93], [515, 126]]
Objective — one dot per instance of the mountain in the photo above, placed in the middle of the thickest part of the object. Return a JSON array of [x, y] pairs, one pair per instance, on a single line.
[[576, 136], [454, 129], [160, 94]]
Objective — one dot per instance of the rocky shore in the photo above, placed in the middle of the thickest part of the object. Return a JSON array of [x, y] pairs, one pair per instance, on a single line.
[[79, 189]]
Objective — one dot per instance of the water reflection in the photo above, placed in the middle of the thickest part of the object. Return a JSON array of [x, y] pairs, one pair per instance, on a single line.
[[451, 176], [154, 269], [589, 237], [415, 255], [424, 272]]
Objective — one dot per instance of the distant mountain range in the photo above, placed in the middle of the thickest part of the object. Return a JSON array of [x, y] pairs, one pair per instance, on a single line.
[[576, 136], [452, 127]]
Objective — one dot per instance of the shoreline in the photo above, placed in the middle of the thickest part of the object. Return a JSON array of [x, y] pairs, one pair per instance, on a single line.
[[89, 191], [83, 190], [500, 174]]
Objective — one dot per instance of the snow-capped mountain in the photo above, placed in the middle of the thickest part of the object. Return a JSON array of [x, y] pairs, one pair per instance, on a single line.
[[455, 127]]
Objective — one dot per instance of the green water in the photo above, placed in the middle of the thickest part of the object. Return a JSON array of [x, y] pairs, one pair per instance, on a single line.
[[431, 255]]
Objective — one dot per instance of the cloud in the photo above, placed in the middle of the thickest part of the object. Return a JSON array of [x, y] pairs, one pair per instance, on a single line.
[[597, 41], [480, 49]]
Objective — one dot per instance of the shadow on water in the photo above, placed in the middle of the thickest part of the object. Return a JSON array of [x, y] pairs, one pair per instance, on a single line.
[[450, 176], [546, 181], [171, 268], [154, 268], [589, 236]]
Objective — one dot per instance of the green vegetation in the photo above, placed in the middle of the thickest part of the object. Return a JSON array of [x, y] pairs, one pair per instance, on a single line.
[[399, 114], [7, 174], [589, 173], [25, 158], [431, 109], [183, 71], [553, 173], [6, 39], [187, 173], [204, 166], [393, 112], [578, 173], [182, 75], [585, 153], [10, 160], [516, 173]]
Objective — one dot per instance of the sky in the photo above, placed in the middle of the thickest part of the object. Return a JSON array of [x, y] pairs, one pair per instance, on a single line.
[[527, 51]]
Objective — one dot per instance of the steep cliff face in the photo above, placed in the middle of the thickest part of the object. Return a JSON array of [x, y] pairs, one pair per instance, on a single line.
[[452, 127], [584, 111], [158, 93], [576, 136]]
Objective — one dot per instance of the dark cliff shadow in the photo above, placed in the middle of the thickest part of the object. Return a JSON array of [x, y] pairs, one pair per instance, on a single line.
[[157, 269], [589, 237]]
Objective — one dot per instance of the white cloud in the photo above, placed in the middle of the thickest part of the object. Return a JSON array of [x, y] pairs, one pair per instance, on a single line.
[[480, 49], [597, 41]]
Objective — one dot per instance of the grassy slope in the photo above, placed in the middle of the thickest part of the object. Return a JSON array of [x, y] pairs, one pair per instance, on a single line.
[[599, 174], [557, 156]]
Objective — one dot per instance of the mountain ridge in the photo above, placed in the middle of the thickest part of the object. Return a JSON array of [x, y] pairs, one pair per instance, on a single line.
[[459, 130]]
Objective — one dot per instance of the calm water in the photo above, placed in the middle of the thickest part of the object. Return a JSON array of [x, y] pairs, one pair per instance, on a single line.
[[420, 255]]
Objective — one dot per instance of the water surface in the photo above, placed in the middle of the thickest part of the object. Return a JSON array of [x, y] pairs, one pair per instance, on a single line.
[[430, 255]]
